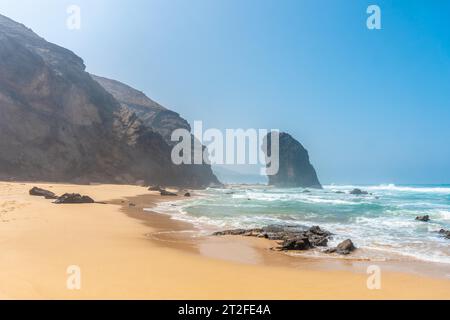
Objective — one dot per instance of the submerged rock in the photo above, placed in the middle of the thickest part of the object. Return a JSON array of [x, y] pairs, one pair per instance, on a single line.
[[72, 198], [358, 192], [425, 218], [35, 191]]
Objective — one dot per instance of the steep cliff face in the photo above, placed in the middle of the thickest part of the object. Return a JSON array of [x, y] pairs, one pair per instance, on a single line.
[[295, 169], [58, 124], [151, 113], [158, 119]]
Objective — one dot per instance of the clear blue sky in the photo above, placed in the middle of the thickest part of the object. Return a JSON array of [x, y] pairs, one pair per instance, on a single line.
[[370, 106]]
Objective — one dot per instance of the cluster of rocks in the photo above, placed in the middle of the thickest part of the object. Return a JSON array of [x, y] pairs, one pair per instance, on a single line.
[[293, 237], [67, 198], [445, 233]]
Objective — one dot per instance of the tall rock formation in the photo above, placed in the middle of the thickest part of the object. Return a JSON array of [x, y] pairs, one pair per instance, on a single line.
[[295, 169], [58, 124]]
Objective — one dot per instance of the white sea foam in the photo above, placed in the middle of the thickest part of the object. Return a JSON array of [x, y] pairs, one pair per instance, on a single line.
[[391, 187], [386, 224]]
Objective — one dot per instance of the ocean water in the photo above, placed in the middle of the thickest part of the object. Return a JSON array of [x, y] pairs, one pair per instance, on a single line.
[[382, 223]]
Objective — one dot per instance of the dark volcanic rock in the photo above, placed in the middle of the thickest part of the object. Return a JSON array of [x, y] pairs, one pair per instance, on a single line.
[[155, 188], [425, 218], [35, 191], [297, 243], [358, 192], [160, 120], [344, 248], [291, 237], [295, 169], [72, 198], [445, 233], [167, 193], [62, 125], [187, 194]]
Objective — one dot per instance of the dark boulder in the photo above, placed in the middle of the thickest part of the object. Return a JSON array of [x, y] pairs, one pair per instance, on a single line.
[[344, 248], [35, 191], [72, 198], [358, 192], [166, 193], [445, 233], [155, 188], [425, 218], [297, 243], [187, 194]]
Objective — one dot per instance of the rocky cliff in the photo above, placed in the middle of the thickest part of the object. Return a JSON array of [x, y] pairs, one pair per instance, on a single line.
[[58, 124], [295, 169], [151, 113]]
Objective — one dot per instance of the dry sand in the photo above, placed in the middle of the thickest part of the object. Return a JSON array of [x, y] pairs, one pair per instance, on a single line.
[[123, 255]]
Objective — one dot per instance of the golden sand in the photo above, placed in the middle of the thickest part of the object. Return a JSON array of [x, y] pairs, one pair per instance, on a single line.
[[39, 240]]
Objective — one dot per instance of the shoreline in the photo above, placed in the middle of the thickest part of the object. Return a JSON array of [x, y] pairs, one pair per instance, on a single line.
[[184, 235], [115, 247]]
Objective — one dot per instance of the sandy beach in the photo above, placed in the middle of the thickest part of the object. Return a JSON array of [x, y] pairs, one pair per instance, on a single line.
[[126, 253]]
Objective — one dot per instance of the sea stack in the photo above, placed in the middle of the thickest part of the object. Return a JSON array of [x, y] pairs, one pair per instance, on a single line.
[[295, 169]]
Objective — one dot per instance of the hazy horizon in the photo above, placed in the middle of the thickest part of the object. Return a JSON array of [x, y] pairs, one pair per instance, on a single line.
[[371, 106]]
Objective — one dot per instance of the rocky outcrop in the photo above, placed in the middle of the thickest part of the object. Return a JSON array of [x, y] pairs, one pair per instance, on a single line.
[[64, 126], [35, 191], [73, 198], [358, 192], [295, 169], [291, 237], [152, 114], [346, 247], [445, 233], [166, 193], [425, 218]]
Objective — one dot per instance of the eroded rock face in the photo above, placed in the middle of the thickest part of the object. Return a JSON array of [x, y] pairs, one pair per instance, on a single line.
[[295, 169], [61, 125]]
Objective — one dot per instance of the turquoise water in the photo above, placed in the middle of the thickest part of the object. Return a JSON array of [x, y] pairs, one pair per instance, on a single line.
[[382, 223]]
